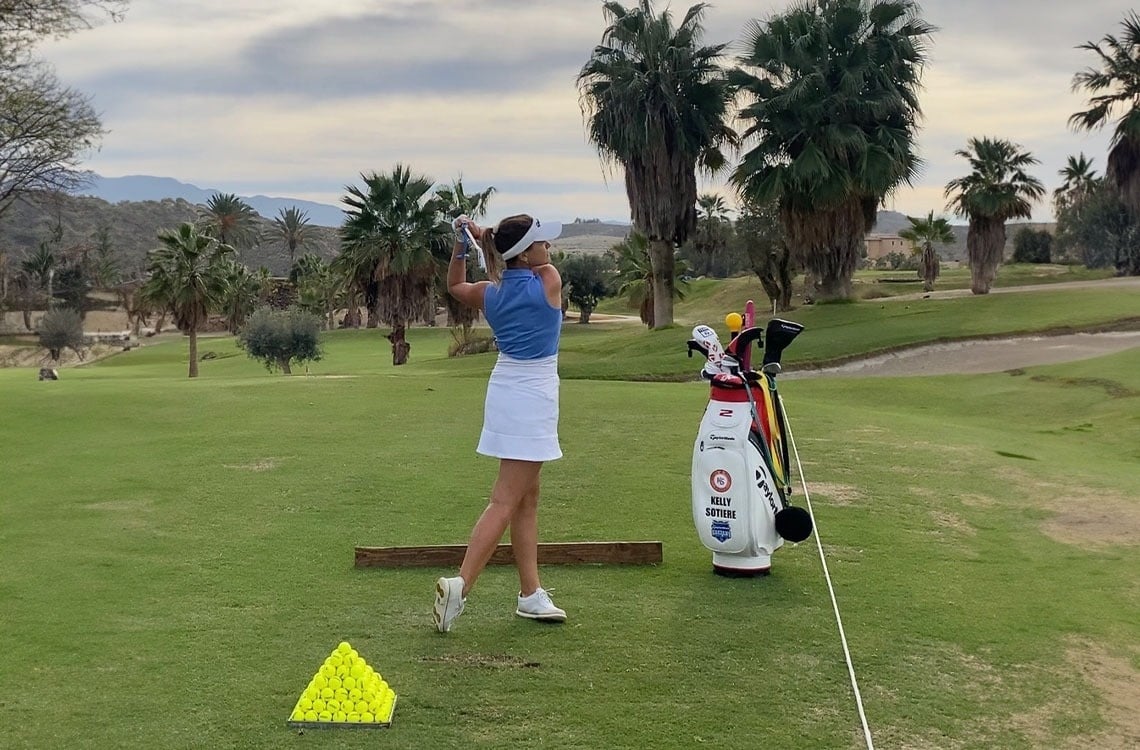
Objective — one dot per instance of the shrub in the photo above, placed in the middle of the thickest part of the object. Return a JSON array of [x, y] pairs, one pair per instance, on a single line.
[[1032, 246], [62, 329], [466, 340], [280, 338]]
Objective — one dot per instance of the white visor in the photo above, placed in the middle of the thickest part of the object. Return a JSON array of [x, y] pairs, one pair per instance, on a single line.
[[540, 231]]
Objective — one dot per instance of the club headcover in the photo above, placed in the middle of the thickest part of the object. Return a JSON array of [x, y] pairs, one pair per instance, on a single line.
[[780, 333], [793, 524]]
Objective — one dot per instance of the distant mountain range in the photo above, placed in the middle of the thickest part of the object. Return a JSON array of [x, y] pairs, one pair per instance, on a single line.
[[136, 188], [147, 188]]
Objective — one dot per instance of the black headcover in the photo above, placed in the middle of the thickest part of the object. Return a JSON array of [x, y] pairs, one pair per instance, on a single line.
[[780, 333], [793, 524]]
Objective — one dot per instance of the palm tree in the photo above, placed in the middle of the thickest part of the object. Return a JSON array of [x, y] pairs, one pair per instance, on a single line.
[[389, 230], [244, 289], [230, 220], [455, 202], [319, 288], [996, 190], [709, 245], [924, 234], [635, 274], [1113, 87], [291, 226], [1079, 181], [832, 103], [187, 279], [40, 267], [656, 102]]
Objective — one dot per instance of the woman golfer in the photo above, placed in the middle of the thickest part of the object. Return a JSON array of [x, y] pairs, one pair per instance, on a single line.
[[520, 417]]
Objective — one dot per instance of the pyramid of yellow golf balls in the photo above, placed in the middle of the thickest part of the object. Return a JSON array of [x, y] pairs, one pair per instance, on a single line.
[[345, 691]]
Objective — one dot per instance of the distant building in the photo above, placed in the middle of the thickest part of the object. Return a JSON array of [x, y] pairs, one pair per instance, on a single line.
[[880, 245]]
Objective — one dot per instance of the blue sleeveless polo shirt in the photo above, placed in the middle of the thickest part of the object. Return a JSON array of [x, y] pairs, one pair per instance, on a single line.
[[524, 323]]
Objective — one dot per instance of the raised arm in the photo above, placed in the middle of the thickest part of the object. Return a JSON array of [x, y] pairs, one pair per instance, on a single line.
[[469, 293]]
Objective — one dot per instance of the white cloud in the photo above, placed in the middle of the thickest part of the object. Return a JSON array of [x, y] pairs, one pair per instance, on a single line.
[[297, 97]]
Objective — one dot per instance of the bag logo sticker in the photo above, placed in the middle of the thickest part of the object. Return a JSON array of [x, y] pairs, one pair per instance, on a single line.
[[721, 531], [720, 481]]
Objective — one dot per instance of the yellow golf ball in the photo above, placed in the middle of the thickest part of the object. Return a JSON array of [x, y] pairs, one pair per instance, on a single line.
[[341, 694], [358, 671], [343, 647], [361, 707], [297, 715], [334, 682], [328, 670], [319, 705], [355, 694], [305, 703], [367, 718], [349, 682], [324, 716], [342, 671], [734, 321], [326, 693], [354, 718], [319, 681], [310, 715], [340, 716], [332, 705]]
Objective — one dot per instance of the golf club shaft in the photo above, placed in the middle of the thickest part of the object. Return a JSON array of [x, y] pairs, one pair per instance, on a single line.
[[831, 591], [475, 248], [762, 442]]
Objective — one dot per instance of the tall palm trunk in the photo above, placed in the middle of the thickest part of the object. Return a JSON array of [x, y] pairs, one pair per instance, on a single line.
[[1122, 172], [400, 345], [829, 243], [929, 267], [372, 303], [985, 244], [193, 333], [664, 285]]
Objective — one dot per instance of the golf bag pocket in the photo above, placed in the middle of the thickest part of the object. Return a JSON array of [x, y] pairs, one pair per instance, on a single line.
[[720, 494]]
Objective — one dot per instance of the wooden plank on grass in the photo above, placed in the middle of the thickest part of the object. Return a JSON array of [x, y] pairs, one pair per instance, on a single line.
[[553, 553]]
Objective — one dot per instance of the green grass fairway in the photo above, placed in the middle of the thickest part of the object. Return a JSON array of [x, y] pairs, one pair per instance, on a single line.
[[176, 555]]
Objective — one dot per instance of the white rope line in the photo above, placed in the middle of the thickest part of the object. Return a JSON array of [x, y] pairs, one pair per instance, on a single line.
[[830, 588]]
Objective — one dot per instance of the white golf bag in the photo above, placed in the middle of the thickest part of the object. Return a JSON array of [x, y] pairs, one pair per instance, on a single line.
[[739, 472]]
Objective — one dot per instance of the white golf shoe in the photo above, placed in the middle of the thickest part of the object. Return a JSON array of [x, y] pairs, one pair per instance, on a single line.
[[449, 602], [538, 606]]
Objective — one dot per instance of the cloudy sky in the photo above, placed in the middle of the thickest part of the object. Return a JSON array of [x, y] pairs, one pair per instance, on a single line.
[[298, 97]]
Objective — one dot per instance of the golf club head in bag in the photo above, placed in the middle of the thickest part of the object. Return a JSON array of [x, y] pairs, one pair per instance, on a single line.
[[706, 341], [739, 346], [780, 333]]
